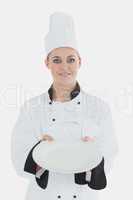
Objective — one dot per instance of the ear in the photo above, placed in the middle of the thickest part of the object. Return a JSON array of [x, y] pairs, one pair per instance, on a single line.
[[46, 63], [79, 62]]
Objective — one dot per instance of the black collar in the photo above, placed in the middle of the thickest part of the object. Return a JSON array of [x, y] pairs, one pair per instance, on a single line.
[[73, 93]]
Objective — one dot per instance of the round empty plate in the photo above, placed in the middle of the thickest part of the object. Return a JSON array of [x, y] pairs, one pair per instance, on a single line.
[[67, 157]]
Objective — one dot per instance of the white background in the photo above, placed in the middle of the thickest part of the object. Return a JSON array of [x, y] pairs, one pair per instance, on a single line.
[[105, 36]]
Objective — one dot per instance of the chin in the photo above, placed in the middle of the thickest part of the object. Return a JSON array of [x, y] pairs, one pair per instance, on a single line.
[[65, 81]]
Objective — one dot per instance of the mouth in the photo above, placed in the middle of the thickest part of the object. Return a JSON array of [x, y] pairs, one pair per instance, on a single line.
[[64, 74]]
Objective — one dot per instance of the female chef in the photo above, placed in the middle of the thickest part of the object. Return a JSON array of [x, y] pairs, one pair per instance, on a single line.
[[57, 114]]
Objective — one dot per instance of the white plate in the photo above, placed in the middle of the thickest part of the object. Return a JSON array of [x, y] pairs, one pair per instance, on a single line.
[[67, 157]]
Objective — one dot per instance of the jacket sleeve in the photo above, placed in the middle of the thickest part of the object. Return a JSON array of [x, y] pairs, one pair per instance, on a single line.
[[41, 174], [22, 140], [96, 178], [108, 140]]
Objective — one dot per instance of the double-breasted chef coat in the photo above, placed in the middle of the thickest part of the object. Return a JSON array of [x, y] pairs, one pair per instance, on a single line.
[[67, 121]]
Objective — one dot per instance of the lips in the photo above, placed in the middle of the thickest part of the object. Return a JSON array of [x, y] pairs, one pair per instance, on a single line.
[[64, 74]]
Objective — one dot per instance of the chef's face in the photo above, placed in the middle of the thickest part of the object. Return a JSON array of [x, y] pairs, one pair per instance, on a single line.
[[64, 63]]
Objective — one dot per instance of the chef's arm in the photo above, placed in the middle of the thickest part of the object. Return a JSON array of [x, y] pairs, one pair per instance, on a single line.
[[109, 149], [22, 141], [108, 140], [94, 178], [41, 174], [98, 179]]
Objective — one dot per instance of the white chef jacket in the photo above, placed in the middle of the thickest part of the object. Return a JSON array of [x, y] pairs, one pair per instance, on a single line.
[[62, 120]]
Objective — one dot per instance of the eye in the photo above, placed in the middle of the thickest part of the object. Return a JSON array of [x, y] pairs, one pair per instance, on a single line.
[[56, 60], [71, 60]]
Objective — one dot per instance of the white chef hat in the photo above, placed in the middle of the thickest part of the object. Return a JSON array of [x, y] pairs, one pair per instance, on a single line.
[[61, 32]]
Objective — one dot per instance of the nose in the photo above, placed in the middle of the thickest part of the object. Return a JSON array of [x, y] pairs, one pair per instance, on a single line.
[[64, 65]]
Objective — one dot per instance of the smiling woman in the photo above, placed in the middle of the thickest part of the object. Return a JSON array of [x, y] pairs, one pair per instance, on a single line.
[[63, 113], [63, 63]]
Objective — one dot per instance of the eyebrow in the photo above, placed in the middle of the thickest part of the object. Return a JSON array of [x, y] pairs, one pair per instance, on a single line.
[[55, 57], [71, 56], [67, 56]]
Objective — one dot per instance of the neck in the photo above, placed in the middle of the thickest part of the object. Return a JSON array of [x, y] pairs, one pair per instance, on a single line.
[[62, 92]]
